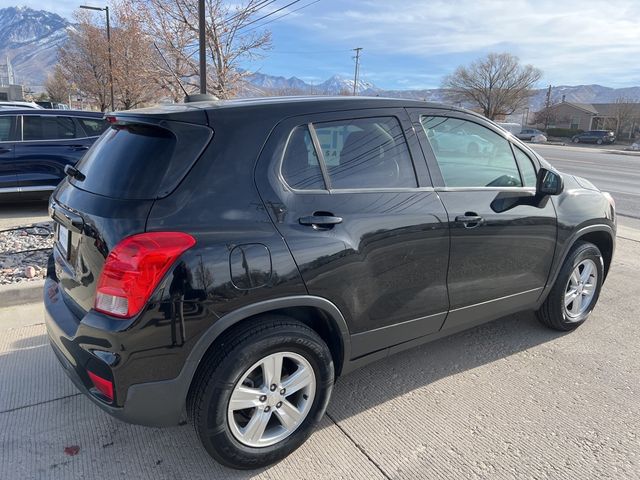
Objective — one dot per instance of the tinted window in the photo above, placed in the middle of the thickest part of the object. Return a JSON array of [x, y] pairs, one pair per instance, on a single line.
[[366, 153], [470, 155], [526, 167], [47, 128], [93, 127], [300, 166], [140, 161], [5, 128]]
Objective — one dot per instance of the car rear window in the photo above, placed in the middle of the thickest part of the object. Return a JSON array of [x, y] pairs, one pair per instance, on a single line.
[[93, 126], [137, 161]]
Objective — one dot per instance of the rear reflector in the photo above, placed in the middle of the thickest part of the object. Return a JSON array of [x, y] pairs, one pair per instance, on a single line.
[[134, 268], [103, 385]]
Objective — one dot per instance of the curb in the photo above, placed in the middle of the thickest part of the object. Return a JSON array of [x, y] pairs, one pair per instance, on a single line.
[[21, 293]]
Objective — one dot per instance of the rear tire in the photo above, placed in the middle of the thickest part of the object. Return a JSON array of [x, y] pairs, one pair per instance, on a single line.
[[599, 141], [240, 365], [576, 290], [576, 140]]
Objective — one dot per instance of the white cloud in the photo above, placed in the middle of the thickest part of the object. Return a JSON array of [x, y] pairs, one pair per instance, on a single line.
[[571, 41]]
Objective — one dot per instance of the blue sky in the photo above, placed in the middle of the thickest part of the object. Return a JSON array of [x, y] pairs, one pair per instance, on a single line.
[[414, 43]]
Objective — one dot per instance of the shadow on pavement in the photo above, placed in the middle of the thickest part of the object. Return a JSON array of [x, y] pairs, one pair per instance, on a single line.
[[104, 439]]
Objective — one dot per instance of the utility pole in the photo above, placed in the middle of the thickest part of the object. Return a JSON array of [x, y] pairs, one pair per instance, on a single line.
[[547, 105], [203, 53], [357, 72]]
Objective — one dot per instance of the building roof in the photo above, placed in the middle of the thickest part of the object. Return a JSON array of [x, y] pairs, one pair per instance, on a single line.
[[588, 107]]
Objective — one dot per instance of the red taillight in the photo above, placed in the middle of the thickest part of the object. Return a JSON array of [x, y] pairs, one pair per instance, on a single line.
[[134, 268], [103, 385]]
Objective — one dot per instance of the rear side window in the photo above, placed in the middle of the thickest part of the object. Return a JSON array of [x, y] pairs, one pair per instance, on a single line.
[[6, 123], [300, 165], [470, 155], [47, 128], [366, 153], [93, 127], [141, 161]]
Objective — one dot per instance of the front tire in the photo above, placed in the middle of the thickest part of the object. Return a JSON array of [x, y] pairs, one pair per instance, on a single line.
[[599, 141], [242, 420], [576, 140], [576, 290]]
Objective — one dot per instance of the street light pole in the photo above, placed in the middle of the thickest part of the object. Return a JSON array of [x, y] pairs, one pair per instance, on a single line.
[[106, 10], [203, 53]]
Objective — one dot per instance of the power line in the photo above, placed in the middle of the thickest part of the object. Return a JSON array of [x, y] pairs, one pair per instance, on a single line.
[[259, 6], [269, 14], [283, 15]]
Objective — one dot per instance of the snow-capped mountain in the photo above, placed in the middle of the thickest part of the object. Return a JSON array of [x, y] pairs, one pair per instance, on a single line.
[[30, 39]]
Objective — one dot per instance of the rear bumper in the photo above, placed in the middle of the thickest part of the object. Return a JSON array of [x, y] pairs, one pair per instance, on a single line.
[[79, 346]]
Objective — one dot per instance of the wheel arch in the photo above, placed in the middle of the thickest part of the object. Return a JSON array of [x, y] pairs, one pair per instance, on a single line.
[[602, 235], [318, 313], [605, 243]]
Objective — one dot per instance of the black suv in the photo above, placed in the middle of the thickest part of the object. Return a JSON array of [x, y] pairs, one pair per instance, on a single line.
[[595, 136], [36, 145], [227, 261]]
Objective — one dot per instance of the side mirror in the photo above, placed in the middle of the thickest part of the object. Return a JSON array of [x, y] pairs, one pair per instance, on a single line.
[[549, 182]]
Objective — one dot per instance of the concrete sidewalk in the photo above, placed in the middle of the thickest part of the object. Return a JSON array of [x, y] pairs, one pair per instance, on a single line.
[[507, 400]]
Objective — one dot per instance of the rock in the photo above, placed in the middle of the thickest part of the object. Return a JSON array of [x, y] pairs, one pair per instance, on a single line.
[[29, 272]]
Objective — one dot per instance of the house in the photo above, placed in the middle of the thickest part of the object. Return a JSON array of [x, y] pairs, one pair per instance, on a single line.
[[623, 118]]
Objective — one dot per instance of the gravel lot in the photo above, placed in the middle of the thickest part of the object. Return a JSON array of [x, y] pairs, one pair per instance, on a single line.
[[507, 400], [24, 252]]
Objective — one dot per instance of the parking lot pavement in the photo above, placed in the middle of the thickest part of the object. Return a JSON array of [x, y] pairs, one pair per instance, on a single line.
[[507, 400], [16, 214]]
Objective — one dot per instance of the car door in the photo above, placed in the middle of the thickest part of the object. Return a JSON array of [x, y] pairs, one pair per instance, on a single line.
[[503, 235], [49, 143], [8, 170], [362, 221]]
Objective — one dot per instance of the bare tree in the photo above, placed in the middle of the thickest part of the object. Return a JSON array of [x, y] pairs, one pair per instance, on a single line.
[[57, 86], [627, 114], [135, 62], [549, 115], [231, 38], [497, 84], [83, 59]]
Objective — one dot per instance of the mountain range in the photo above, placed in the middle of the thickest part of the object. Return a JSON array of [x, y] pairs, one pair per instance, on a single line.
[[30, 40]]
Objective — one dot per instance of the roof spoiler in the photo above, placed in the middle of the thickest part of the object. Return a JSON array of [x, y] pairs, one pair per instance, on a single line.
[[200, 97]]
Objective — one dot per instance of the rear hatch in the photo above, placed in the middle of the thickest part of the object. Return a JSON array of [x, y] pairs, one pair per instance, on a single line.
[[137, 160]]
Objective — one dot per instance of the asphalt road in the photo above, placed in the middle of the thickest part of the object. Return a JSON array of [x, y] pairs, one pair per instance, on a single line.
[[615, 173], [507, 400]]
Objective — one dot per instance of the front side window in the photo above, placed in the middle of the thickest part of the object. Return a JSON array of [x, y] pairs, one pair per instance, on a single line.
[[366, 153], [5, 128], [47, 128], [470, 155]]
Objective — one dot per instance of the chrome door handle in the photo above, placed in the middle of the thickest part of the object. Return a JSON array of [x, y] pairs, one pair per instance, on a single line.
[[470, 220], [320, 220]]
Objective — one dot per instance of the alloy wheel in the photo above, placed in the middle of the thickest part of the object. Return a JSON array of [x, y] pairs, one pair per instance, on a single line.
[[581, 289], [271, 399]]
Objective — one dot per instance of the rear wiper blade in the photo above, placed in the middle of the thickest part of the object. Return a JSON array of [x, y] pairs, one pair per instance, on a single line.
[[73, 172]]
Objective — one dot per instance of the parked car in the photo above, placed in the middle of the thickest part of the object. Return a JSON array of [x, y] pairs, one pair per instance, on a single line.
[[528, 134], [53, 105], [226, 261], [19, 104], [595, 136], [635, 145], [36, 145]]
